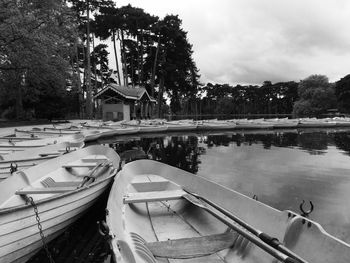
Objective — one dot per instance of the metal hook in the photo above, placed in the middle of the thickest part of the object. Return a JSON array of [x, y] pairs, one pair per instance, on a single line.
[[103, 228], [306, 213], [13, 168]]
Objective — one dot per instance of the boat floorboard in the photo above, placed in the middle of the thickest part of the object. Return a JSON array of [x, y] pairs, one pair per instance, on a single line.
[[170, 220], [192, 247]]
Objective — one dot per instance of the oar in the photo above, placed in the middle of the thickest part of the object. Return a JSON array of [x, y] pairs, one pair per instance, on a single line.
[[93, 174], [18, 166], [272, 241], [239, 229]]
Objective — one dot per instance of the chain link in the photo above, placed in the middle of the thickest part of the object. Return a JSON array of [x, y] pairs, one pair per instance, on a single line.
[[31, 201]]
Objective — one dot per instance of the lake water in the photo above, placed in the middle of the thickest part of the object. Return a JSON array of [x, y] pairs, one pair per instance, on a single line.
[[281, 168]]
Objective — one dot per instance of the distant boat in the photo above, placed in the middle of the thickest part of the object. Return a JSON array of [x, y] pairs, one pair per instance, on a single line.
[[146, 127], [159, 213], [61, 190], [19, 160], [181, 125], [216, 125], [43, 133], [11, 144]]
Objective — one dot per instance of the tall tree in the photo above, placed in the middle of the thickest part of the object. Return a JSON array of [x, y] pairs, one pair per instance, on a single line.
[[106, 25], [99, 61], [316, 95], [84, 10], [176, 65], [342, 91], [36, 39]]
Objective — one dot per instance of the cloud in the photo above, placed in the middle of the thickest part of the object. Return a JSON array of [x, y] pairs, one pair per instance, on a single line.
[[250, 41]]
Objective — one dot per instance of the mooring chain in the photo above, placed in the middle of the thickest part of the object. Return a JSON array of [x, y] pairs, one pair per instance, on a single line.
[[31, 201]]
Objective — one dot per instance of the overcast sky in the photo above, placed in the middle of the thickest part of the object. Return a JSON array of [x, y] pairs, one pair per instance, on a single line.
[[250, 41]]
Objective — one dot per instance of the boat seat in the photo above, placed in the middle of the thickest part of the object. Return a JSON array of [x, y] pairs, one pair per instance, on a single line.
[[192, 247], [94, 158], [153, 196], [79, 165], [45, 190], [49, 182], [49, 154], [143, 184], [87, 162]]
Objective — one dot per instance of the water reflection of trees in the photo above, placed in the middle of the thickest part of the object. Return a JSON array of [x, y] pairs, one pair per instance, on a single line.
[[342, 142], [182, 152], [313, 142]]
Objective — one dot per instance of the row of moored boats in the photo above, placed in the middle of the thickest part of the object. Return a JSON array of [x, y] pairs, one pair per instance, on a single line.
[[155, 212]]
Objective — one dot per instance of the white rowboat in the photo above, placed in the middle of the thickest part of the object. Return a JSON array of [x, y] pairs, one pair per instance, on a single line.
[[158, 213], [60, 190], [20, 160]]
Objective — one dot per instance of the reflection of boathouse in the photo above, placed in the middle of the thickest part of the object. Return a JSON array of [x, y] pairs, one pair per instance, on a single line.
[[124, 103]]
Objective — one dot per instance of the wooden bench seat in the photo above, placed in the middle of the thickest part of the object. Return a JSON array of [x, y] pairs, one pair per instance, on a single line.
[[140, 197], [49, 182]]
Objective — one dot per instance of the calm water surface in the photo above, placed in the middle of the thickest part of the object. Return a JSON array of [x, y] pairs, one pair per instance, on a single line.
[[282, 169]]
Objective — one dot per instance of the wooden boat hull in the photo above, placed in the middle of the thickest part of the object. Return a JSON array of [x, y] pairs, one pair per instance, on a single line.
[[145, 211], [19, 235]]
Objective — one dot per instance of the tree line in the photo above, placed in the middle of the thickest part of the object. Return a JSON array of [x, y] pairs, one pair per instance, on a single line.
[[52, 62], [313, 96]]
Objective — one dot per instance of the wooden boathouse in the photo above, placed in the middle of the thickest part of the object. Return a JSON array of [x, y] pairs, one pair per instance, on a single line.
[[118, 103]]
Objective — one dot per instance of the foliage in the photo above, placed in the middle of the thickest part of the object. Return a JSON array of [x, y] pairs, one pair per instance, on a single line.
[[265, 99], [342, 92], [35, 40], [316, 96], [99, 66], [142, 36]]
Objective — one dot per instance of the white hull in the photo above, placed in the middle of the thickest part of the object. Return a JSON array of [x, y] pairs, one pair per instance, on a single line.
[[147, 208], [152, 128], [55, 216], [27, 158], [19, 235], [76, 138]]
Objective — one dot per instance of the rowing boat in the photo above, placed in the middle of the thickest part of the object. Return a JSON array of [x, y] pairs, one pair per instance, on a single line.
[[13, 145], [159, 213], [21, 160], [183, 125], [56, 193], [216, 125], [144, 127], [44, 132]]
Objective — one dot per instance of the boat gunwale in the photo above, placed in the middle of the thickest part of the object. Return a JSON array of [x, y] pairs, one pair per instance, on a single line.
[[55, 196]]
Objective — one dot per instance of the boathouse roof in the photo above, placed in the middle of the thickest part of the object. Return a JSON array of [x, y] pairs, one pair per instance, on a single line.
[[132, 93]]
